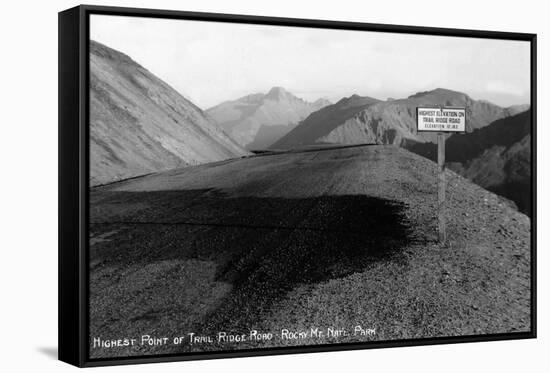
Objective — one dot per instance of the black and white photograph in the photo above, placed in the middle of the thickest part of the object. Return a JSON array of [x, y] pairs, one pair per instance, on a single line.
[[257, 186], [275, 186]]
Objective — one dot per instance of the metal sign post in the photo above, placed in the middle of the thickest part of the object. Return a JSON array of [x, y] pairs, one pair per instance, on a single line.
[[441, 120], [441, 187]]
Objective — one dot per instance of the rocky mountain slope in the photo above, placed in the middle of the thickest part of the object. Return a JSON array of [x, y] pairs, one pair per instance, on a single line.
[[268, 134], [324, 121], [497, 157], [139, 124], [385, 122], [256, 121], [516, 109]]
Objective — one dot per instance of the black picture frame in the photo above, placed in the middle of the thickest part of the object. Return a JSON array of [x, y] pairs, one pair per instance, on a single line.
[[73, 75]]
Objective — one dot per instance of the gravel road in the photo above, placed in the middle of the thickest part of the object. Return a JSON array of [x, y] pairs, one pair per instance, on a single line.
[[342, 240]]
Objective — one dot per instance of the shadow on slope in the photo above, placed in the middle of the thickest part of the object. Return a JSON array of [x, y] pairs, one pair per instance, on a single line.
[[263, 247]]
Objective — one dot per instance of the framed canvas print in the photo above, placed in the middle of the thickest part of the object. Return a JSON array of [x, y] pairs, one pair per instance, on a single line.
[[239, 185]]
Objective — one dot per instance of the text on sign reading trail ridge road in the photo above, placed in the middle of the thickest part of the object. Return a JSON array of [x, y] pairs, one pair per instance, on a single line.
[[441, 119]]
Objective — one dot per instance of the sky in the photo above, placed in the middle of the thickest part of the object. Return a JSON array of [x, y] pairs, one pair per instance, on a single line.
[[211, 62]]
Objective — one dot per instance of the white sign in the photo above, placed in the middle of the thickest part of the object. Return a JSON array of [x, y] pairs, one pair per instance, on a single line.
[[441, 119]]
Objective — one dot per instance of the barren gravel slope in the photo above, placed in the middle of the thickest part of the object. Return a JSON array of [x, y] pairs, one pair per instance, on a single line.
[[139, 124], [336, 238]]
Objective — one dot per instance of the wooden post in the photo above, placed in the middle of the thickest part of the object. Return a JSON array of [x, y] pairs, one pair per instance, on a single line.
[[441, 192]]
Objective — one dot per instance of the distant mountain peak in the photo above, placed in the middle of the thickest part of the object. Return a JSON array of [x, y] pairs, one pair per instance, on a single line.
[[277, 93], [243, 118], [344, 100], [356, 100], [321, 102], [437, 92]]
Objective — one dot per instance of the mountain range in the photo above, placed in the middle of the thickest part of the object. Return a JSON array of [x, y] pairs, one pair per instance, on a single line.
[[256, 121], [357, 119], [139, 124], [495, 152]]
